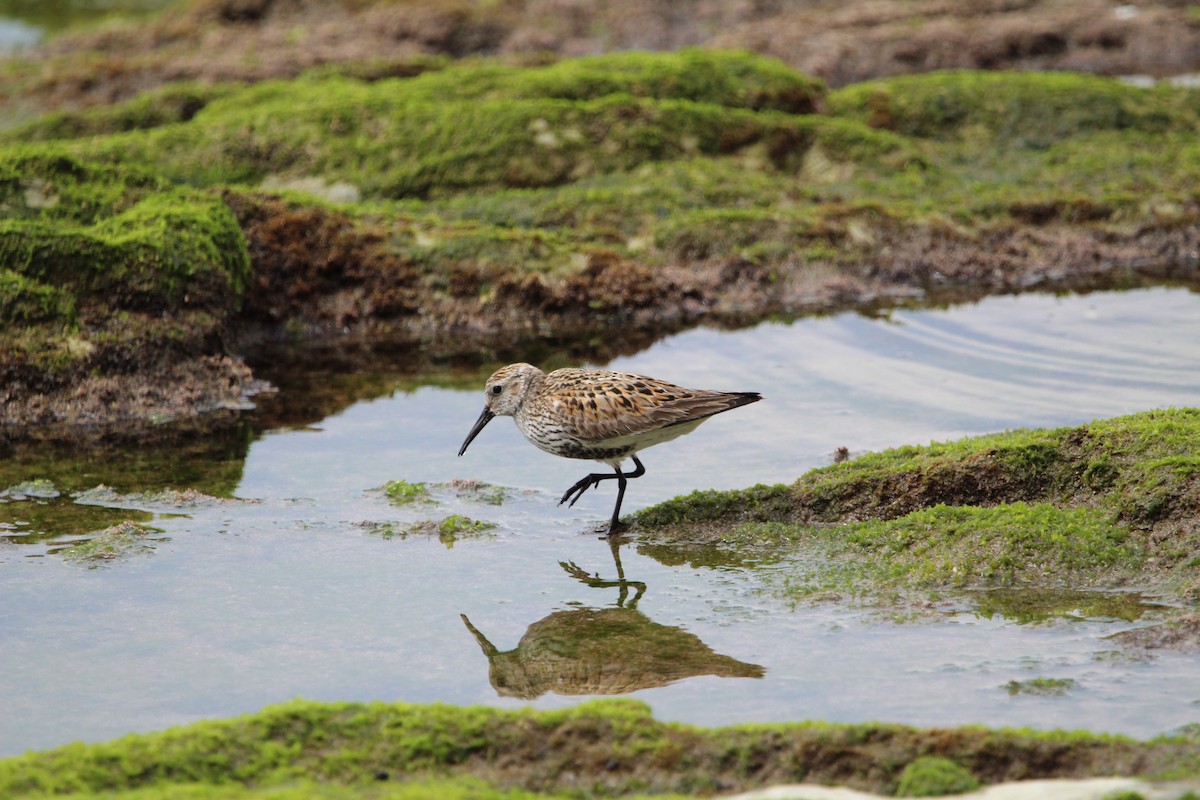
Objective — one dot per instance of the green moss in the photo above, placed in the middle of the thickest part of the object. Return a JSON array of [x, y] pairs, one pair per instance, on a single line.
[[611, 748], [171, 104], [737, 79], [403, 492], [1033, 605], [653, 156], [1143, 459], [388, 146], [46, 182], [1034, 147], [23, 301], [1009, 544], [103, 264], [1033, 508], [1019, 109], [419, 136], [959, 547], [110, 232], [933, 776]]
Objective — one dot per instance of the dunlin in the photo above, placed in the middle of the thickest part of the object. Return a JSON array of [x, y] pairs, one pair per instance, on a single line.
[[598, 415]]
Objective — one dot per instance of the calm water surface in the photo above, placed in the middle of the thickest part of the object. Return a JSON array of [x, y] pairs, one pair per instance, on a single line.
[[26, 23], [303, 586]]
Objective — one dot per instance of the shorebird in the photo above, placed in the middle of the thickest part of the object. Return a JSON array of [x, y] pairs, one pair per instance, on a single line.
[[598, 415]]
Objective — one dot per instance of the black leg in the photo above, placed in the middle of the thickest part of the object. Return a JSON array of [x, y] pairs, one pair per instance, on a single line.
[[590, 481]]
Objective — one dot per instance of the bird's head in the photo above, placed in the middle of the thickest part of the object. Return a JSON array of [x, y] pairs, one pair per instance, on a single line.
[[503, 395]]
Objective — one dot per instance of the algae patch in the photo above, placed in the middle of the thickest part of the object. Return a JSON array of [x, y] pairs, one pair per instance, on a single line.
[[401, 492], [404, 493], [1041, 687], [48, 522], [124, 540], [448, 530]]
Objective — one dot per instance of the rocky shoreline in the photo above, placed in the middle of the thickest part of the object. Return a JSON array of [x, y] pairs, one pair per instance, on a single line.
[[147, 257]]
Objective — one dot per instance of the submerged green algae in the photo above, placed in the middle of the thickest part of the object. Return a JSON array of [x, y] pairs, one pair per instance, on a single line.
[[608, 748], [119, 541]]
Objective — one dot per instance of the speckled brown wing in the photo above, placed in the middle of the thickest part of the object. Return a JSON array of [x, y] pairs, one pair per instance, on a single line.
[[602, 406]]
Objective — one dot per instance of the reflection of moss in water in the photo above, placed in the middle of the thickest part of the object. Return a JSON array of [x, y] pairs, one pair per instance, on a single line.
[[743, 547], [1040, 605], [38, 520], [1043, 687], [119, 541], [54, 492], [211, 464]]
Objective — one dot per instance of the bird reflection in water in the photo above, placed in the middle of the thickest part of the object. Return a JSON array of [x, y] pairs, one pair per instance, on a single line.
[[602, 651]]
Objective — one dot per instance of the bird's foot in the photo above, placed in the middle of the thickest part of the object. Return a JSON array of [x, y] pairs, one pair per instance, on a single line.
[[616, 530], [581, 486]]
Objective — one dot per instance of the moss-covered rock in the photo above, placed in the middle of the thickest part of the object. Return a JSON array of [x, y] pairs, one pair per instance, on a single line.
[[388, 145], [607, 748], [646, 190], [107, 271], [1107, 503], [1023, 110], [724, 78], [933, 776], [170, 104]]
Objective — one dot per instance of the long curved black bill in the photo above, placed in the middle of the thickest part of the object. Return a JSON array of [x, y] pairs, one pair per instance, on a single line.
[[484, 419]]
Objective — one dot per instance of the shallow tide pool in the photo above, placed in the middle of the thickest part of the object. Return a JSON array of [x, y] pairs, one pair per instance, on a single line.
[[308, 584]]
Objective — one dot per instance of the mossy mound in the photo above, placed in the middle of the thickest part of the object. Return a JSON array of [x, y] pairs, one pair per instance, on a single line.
[[107, 270], [1028, 110], [170, 104], [1108, 503], [724, 78], [483, 127], [649, 191], [609, 748], [933, 776]]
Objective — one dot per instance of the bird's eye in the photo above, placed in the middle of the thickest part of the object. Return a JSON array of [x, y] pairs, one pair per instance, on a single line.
[[497, 389]]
